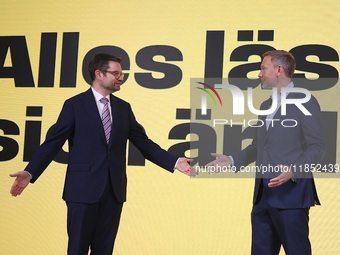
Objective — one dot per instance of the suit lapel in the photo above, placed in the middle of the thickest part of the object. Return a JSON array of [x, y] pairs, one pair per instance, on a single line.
[[115, 116], [90, 105], [278, 117], [263, 130]]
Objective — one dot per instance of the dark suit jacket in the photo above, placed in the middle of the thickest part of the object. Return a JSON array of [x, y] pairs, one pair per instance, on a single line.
[[291, 146], [91, 160]]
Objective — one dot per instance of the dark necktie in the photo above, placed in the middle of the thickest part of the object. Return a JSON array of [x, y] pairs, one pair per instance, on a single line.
[[271, 116], [270, 102]]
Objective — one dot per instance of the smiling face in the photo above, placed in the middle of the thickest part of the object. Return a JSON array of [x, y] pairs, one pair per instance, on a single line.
[[109, 80], [269, 73]]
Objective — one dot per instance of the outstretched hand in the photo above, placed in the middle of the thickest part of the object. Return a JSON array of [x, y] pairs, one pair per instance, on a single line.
[[20, 183], [183, 165], [220, 162]]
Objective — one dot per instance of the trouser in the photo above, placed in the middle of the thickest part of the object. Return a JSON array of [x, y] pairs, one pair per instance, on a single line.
[[273, 227], [93, 226]]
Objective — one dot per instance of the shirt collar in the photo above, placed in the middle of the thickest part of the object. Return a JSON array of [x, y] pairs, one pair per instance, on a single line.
[[290, 85], [98, 96]]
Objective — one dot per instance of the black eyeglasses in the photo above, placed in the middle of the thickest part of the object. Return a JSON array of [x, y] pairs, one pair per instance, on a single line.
[[116, 74]]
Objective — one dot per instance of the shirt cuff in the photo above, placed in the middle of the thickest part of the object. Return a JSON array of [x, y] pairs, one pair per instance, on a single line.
[[232, 160], [29, 175], [176, 164]]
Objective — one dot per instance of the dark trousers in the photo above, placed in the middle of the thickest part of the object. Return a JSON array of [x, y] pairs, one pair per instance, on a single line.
[[273, 227], [93, 226]]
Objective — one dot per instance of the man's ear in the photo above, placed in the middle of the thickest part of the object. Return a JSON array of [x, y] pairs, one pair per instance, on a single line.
[[98, 75], [280, 70]]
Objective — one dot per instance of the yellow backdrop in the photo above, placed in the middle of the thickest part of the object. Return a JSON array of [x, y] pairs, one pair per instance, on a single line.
[[165, 214]]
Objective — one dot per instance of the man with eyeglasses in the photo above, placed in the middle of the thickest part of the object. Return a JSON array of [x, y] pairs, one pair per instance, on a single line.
[[96, 125]]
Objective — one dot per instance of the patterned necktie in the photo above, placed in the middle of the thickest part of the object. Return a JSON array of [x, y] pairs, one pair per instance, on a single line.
[[106, 119]]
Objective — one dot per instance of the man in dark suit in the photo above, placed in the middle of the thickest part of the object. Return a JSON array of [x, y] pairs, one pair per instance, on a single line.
[[96, 125], [284, 186]]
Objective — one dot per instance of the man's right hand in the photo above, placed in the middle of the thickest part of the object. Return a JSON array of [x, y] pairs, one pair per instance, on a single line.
[[220, 161], [22, 179]]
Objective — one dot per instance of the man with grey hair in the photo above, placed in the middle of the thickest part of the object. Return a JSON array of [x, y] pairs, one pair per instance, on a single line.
[[281, 202]]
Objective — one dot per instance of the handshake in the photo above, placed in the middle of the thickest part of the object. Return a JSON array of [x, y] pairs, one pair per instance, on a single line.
[[223, 161], [183, 164]]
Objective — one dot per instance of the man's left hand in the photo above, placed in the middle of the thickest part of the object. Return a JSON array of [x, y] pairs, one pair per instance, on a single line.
[[286, 175]]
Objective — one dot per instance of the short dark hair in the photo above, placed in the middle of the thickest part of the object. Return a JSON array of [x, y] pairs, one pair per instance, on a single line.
[[283, 58], [100, 62]]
